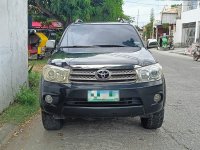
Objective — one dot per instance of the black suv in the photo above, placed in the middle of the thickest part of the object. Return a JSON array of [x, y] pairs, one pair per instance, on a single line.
[[102, 70]]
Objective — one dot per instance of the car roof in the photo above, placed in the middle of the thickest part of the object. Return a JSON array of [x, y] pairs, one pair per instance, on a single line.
[[102, 23], [152, 40]]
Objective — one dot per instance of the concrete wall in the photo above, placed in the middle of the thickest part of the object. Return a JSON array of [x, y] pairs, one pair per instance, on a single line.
[[191, 16], [13, 49], [188, 16], [178, 33], [190, 5], [169, 18]]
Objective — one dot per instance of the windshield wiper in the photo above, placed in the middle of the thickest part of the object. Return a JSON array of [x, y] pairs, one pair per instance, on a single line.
[[76, 46], [116, 46], [109, 46]]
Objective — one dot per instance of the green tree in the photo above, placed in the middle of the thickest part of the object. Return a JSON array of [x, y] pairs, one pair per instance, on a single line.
[[152, 17], [67, 11], [107, 10], [149, 27]]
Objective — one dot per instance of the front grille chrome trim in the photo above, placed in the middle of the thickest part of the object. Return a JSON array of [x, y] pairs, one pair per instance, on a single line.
[[119, 74]]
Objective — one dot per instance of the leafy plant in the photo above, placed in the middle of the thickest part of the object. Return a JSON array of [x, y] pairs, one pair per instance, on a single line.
[[30, 68], [67, 11], [26, 102], [149, 27], [26, 97], [29, 95], [33, 79], [165, 25]]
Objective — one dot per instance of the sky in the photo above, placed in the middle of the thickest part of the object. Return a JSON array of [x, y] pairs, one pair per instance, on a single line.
[[131, 8]]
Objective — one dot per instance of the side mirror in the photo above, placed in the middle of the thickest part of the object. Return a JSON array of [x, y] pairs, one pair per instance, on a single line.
[[51, 44]]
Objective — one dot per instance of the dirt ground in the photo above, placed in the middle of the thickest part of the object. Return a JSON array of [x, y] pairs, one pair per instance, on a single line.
[[38, 68]]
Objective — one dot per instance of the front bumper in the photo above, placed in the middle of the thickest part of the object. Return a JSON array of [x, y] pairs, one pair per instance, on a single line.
[[70, 100]]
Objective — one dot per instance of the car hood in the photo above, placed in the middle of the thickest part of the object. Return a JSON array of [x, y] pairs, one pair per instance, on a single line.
[[142, 58]]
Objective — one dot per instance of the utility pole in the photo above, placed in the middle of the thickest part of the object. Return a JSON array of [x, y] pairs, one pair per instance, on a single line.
[[138, 16]]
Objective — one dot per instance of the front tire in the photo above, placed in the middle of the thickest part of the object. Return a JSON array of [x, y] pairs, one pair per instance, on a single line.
[[153, 122], [50, 123]]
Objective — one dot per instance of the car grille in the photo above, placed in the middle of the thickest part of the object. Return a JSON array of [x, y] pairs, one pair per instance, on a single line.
[[117, 75], [123, 102]]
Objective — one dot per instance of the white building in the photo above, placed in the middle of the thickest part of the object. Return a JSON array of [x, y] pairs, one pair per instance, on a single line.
[[169, 15], [13, 49], [188, 26], [167, 21]]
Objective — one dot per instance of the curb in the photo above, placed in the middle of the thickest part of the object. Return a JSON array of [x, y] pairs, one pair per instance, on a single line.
[[6, 132], [181, 53]]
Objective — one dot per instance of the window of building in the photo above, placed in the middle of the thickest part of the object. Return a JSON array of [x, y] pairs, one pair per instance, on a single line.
[[192, 4]]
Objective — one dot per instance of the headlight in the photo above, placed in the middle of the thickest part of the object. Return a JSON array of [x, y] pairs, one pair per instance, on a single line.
[[56, 74], [149, 73]]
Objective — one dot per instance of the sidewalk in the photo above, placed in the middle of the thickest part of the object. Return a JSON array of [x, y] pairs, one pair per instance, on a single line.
[[178, 51], [181, 51], [6, 131]]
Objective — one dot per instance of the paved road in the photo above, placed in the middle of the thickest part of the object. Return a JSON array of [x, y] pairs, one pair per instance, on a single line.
[[181, 129]]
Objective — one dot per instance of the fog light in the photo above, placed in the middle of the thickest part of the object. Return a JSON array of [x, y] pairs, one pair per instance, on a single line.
[[157, 98], [48, 99]]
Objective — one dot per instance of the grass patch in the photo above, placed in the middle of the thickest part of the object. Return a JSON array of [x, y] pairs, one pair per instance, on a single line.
[[18, 113], [26, 102], [34, 79], [26, 97], [38, 64]]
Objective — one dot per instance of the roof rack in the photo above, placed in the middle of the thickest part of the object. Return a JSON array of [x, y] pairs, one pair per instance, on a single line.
[[78, 21], [120, 20], [124, 20]]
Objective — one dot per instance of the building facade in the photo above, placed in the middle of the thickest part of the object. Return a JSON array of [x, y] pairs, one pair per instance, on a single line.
[[188, 26], [13, 49], [167, 22]]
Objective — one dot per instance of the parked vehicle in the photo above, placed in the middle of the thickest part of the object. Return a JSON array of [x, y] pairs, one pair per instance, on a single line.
[[170, 42], [166, 42], [102, 70], [36, 44], [171, 46], [152, 43], [196, 53]]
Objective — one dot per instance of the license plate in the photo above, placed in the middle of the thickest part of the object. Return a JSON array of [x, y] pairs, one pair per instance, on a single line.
[[103, 96]]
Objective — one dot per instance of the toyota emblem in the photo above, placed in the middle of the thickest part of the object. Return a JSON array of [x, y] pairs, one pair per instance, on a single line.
[[103, 74]]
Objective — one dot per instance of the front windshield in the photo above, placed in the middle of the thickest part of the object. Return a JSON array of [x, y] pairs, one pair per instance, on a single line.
[[101, 35]]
